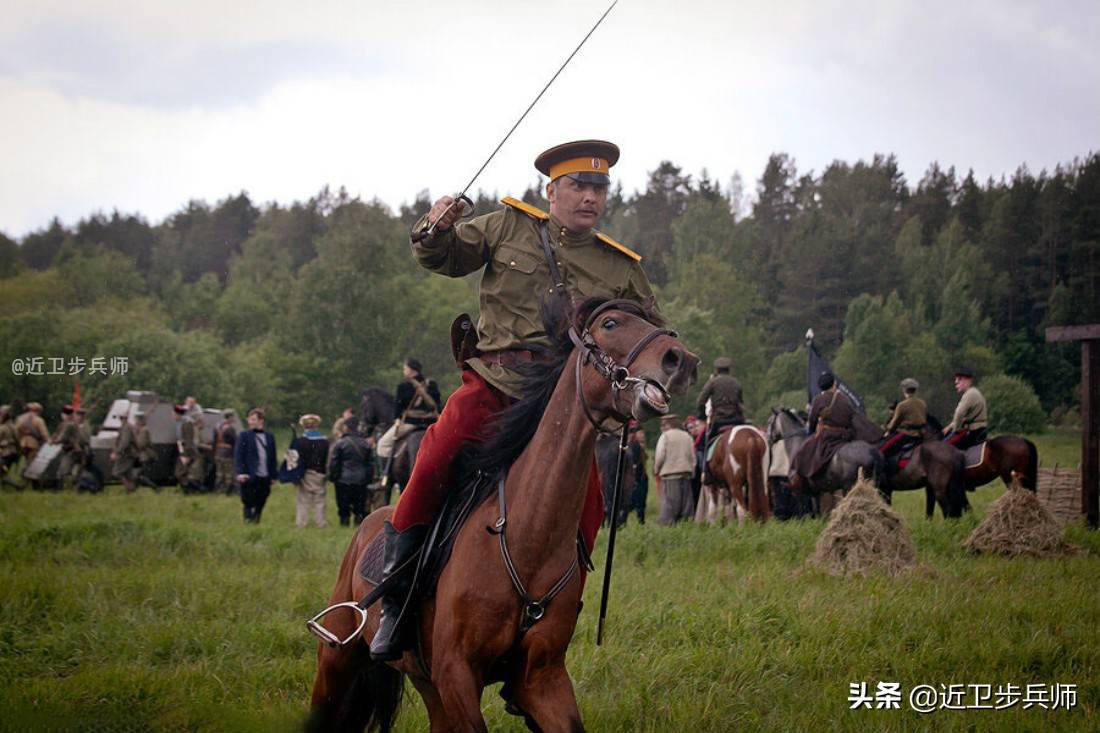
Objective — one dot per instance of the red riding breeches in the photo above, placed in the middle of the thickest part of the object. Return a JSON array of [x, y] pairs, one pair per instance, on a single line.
[[463, 421]]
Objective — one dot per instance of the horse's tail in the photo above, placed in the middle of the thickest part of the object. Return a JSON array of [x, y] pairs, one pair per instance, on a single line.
[[1031, 478], [755, 476], [370, 701]]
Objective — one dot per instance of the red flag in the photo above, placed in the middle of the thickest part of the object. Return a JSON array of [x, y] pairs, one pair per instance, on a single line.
[[76, 395]]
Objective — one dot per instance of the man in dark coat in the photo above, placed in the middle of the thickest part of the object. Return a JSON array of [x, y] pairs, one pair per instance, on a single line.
[[254, 458], [830, 427], [351, 468]]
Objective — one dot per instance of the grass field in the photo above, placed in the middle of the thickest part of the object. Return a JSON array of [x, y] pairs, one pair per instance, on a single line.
[[158, 612]]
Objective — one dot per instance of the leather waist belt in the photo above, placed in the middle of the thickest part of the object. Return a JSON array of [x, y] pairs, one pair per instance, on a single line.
[[512, 357]]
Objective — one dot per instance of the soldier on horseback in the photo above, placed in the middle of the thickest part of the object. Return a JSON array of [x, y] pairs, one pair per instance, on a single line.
[[968, 426], [723, 391], [416, 402], [906, 426], [830, 427], [526, 255]]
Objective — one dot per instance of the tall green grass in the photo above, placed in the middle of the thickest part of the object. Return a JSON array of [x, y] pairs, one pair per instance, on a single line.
[[161, 612]]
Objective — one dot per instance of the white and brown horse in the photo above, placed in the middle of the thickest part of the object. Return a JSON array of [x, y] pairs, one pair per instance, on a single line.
[[736, 484]]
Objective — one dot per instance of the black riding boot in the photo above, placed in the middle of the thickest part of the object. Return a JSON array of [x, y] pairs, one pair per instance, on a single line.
[[399, 563]]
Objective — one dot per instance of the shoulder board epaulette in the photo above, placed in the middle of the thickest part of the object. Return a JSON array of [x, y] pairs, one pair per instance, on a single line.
[[531, 211], [615, 245]]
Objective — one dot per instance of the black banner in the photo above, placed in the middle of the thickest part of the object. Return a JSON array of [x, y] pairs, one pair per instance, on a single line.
[[815, 367]]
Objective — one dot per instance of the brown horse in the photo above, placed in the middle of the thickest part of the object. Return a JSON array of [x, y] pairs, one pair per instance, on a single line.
[[1004, 456], [739, 460], [479, 625]]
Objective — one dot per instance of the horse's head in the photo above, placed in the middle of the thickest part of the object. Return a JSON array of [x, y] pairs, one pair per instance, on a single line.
[[627, 364], [784, 423]]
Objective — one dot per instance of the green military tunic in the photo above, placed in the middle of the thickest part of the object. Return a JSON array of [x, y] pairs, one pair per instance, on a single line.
[[9, 441], [193, 470], [910, 417], [517, 278], [724, 393]]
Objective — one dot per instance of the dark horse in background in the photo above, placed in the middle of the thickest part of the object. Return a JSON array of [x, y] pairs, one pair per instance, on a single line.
[[1002, 457], [473, 631], [378, 414], [843, 470]]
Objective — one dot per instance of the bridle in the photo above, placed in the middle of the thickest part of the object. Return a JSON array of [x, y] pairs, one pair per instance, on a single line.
[[589, 352]]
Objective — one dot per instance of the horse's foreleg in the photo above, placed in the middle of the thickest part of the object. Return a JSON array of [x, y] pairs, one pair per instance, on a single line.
[[929, 502], [460, 693], [546, 696], [437, 717]]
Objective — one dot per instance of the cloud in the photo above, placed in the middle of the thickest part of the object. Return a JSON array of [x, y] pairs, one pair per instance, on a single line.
[[109, 64]]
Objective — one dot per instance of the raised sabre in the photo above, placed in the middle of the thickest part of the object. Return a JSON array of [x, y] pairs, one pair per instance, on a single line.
[[467, 204]]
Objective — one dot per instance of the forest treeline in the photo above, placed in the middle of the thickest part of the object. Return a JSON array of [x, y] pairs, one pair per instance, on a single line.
[[298, 307]]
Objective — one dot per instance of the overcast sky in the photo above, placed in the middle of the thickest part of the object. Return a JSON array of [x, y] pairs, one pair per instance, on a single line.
[[141, 106]]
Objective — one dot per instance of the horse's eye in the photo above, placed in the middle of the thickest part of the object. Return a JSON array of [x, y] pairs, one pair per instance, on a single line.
[[610, 323]]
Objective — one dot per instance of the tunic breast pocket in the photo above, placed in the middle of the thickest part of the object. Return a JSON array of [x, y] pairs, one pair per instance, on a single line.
[[509, 259]]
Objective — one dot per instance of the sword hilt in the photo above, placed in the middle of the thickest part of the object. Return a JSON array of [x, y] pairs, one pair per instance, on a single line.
[[428, 230]]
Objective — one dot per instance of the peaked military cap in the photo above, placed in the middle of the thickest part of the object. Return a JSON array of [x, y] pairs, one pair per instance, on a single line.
[[585, 161], [910, 383], [964, 372], [68, 409], [723, 362]]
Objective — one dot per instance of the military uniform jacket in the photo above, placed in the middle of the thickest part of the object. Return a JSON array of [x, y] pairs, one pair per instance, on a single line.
[[970, 414], [9, 443], [910, 417], [189, 438], [31, 429], [505, 245], [68, 436], [724, 393]]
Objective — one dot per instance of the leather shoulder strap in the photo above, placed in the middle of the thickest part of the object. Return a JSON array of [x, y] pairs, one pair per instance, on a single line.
[[555, 272]]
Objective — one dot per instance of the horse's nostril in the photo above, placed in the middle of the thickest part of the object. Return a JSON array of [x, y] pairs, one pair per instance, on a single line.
[[672, 360]]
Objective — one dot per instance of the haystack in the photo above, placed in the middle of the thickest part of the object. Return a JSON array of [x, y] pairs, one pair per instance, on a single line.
[[864, 534], [1018, 524]]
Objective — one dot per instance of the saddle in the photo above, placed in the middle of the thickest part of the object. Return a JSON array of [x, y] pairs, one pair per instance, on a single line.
[[437, 548]]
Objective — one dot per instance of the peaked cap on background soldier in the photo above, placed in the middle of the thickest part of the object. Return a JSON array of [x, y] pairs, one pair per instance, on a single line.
[[723, 362], [585, 161]]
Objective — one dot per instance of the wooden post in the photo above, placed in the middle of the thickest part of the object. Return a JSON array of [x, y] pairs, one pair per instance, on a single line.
[[1089, 336], [1090, 434]]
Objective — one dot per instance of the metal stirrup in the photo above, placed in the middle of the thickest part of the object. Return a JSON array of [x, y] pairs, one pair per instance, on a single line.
[[330, 639]]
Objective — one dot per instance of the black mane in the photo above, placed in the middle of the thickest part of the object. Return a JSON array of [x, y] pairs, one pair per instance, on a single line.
[[512, 429]]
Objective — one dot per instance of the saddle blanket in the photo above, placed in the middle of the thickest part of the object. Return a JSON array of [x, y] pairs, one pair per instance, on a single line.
[[975, 454]]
